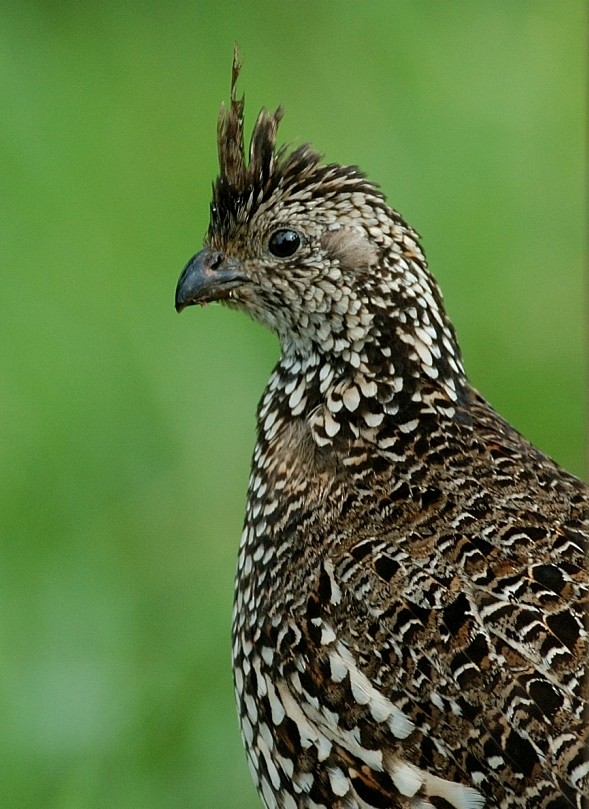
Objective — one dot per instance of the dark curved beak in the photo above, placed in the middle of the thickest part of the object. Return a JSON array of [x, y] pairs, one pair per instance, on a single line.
[[208, 276]]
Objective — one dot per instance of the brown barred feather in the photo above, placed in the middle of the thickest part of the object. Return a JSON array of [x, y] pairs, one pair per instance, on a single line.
[[410, 614]]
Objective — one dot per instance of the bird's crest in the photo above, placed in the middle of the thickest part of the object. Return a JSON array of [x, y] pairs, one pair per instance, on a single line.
[[238, 180], [243, 184]]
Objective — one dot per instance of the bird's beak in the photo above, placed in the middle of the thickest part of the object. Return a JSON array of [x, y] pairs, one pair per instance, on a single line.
[[208, 276]]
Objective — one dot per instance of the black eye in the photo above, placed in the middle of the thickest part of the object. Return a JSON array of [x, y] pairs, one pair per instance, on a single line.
[[284, 243]]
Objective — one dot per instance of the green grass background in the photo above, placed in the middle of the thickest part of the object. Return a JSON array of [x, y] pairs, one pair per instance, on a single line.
[[126, 431]]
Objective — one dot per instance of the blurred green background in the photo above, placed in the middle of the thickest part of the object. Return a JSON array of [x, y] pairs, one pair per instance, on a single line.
[[126, 431]]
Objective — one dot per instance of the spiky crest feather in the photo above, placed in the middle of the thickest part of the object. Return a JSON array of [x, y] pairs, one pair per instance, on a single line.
[[242, 184]]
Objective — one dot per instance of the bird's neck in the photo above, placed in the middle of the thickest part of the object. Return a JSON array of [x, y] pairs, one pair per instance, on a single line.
[[376, 390]]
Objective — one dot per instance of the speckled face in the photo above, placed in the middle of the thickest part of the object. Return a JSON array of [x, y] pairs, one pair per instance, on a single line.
[[287, 255]]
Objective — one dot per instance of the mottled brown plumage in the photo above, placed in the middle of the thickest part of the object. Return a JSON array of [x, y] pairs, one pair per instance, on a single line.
[[411, 592]]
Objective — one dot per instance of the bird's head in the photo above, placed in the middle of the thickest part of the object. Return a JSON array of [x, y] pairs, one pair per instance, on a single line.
[[313, 251]]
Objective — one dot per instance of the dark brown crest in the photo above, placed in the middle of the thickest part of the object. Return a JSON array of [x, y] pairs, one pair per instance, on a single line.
[[239, 182], [243, 184]]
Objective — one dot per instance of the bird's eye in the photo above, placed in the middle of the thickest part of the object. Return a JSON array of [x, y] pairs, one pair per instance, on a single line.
[[284, 243]]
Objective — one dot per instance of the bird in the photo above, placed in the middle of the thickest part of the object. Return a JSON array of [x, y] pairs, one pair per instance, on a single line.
[[409, 625]]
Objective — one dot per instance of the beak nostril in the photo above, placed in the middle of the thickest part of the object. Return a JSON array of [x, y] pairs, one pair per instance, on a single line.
[[216, 260]]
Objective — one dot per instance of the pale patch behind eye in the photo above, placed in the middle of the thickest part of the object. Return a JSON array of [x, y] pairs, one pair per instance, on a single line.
[[351, 246]]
